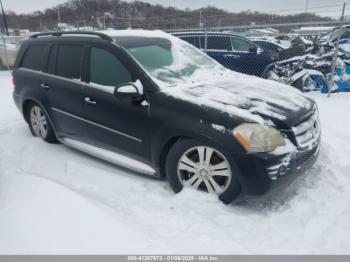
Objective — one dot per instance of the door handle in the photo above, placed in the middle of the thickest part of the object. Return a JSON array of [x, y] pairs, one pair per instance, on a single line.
[[231, 55], [45, 86], [89, 101]]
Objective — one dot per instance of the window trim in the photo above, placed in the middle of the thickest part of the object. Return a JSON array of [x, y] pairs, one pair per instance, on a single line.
[[52, 48]]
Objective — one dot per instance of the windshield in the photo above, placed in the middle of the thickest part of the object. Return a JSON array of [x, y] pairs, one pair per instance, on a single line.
[[171, 61]]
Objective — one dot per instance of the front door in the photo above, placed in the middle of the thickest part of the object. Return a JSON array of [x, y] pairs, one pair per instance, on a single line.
[[220, 48], [252, 59], [120, 124]]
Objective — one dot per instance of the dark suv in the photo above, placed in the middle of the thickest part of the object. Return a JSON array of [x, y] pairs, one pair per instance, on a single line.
[[153, 103]]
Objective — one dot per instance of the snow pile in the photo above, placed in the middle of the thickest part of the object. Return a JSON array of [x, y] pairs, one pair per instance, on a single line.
[[47, 211], [54, 200]]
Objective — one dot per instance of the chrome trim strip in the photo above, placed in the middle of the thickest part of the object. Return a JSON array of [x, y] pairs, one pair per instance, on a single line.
[[109, 156], [98, 125], [107, 89], [77, 81]]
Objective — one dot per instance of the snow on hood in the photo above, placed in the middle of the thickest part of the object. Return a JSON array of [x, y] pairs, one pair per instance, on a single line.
[[243, 96]]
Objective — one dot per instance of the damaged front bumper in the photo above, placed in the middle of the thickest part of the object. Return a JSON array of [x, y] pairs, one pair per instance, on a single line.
[[264, 173], [281, 170]]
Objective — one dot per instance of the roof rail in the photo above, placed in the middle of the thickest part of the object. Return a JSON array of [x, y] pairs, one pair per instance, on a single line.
[[101, 35]]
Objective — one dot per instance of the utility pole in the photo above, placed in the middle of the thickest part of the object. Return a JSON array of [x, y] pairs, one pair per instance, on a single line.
[[4, 19], [306, 6], [335, 56], [58, 14], [202, 23]]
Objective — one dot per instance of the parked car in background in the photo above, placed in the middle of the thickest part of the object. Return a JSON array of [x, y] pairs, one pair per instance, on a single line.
[[270, 45], [278, 49], [8, 52], [233, 51], [333, 34], [294, 42], [153, 103]]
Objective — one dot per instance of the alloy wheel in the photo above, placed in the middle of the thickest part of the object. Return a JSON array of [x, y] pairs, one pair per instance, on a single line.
[[38, 122], [204, 168]]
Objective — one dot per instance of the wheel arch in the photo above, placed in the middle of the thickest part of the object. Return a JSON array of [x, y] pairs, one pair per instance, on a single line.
[[161, 149], [29, 100]]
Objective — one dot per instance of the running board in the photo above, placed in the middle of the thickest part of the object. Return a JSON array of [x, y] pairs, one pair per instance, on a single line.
[[109, 156]]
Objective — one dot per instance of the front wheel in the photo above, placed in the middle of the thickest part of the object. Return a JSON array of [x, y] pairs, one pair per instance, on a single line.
[[201, 167]]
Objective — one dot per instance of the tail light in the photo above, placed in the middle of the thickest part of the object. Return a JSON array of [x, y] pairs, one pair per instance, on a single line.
[[14, 82]]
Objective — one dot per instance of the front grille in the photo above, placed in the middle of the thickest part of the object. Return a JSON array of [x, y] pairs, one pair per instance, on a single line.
[[307, 133]]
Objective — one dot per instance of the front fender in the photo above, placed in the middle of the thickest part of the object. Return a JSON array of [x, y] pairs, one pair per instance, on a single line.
[[204, 132]]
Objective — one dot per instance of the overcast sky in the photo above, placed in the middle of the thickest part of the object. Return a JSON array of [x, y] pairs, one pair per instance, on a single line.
[[322, 7]]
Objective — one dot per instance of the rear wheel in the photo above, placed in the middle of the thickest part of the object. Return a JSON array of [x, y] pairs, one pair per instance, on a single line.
[[39, 123], [201, 167]]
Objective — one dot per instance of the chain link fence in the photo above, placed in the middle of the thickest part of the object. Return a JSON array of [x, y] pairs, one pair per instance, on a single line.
[[309, 55], [304, 49]]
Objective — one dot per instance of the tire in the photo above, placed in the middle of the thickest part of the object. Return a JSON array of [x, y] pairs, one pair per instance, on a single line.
[[39, 123], [181, 171]]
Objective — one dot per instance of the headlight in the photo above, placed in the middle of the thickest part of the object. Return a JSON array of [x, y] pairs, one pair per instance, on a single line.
[[256, 138]]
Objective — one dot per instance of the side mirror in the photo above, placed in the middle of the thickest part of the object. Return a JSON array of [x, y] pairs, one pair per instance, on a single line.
[[127, 90], [253, 50]]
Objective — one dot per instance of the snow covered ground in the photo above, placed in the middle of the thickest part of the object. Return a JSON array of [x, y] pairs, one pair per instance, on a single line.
[[55, 200]]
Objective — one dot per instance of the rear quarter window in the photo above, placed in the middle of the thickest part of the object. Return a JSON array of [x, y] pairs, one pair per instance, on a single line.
[[34, 57]]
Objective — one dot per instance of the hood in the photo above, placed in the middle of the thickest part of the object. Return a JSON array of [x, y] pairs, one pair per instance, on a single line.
[[250, 98]]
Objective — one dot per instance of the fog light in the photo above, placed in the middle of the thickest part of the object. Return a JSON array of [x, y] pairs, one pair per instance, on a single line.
[[273, 176], [282, 171]]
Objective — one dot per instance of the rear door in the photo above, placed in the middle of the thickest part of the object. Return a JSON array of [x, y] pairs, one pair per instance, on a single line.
[[28, 73], [63, 88]]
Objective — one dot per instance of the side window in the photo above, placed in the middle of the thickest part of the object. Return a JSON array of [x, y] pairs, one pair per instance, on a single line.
[[218, 43], [34, 57], [193, 40], [268, 46], [106, 69], [69, 61], [241, 45]]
